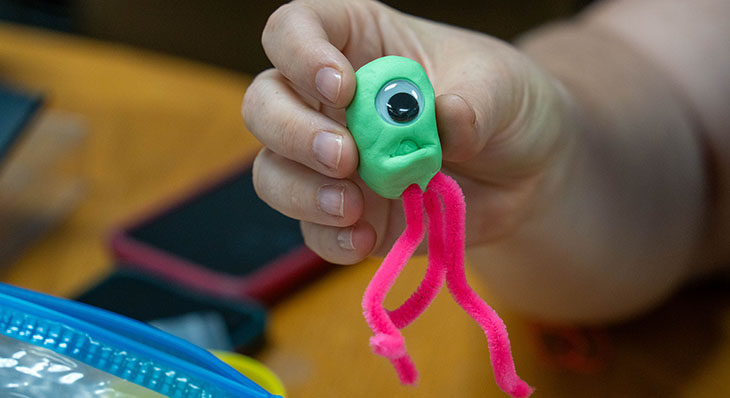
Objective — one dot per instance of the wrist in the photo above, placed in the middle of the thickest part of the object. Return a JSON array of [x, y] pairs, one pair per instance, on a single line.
[[618, 213]]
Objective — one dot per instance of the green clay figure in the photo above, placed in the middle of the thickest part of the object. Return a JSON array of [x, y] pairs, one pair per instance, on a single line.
[[393, 120]]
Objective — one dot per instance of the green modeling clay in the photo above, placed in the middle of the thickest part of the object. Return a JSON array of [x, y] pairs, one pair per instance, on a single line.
[[393, 121]]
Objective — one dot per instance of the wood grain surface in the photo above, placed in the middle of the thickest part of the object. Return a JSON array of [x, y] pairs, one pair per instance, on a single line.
[[160, 125]]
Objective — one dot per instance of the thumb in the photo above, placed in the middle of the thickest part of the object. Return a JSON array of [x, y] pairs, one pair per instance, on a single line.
[[456, 121], [492, 112], [476, 96]]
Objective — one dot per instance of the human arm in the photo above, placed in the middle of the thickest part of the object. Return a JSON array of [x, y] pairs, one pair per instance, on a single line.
[[644, 202], [584, 176]]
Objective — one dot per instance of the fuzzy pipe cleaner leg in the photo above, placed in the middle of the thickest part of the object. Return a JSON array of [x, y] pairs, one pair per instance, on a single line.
[[388, 340], [436, 270], [446, 245], [499, 347]]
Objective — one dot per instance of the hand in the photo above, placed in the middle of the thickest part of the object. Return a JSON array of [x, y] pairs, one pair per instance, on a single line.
[[501, 122]]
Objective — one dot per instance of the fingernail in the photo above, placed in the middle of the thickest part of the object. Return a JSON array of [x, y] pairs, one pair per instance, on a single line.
[[331, 199], [328, 82], [327, 149], [344, 239]]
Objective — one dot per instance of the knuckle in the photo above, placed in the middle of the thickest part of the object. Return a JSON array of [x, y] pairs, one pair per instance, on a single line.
[[259, 181], [291, 134], [318, 243], [255, 104], [251, 102], [310, 237], [264, 181], [275, 188], [274, 24], [297, 203]]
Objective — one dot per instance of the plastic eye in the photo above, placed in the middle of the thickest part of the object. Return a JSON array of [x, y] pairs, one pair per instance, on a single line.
[[399, 102]]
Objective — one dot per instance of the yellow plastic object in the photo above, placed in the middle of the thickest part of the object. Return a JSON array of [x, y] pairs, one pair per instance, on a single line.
[[254, 370]]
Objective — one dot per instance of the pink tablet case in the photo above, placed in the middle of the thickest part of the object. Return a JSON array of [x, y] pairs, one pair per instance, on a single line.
[[266, 283]]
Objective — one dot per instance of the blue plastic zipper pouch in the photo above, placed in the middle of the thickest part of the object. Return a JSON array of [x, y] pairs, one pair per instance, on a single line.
[[128, 350]]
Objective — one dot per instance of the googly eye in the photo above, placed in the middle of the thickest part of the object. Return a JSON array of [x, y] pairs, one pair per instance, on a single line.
[[399, 102]]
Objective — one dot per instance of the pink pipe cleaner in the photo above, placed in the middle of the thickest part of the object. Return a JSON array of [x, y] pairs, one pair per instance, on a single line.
[[435, 272], [446, 209]]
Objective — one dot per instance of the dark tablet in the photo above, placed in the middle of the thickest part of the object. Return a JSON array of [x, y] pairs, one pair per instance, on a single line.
[[222, 240], [204, 320]]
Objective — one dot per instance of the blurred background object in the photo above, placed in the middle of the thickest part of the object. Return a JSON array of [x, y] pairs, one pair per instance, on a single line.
[[228, 32], [40, 169], [52, 14]]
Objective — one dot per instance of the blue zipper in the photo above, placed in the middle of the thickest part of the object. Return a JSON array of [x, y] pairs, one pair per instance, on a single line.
[[123, 347]]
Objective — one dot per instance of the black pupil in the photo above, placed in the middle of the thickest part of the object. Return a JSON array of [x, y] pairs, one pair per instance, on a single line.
[[402, 107]]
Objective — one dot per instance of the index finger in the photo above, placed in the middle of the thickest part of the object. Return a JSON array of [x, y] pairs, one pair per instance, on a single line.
[[302, 40]]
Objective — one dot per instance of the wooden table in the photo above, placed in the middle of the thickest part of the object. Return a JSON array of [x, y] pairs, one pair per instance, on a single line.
[[159, 125]]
